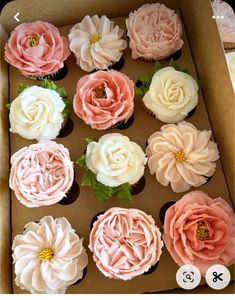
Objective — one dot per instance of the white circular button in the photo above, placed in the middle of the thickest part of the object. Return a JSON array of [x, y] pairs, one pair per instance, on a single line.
[[218, 277], [188, 277]]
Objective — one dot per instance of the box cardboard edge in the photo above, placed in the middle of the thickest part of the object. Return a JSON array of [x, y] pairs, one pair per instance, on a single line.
[[5, 204]]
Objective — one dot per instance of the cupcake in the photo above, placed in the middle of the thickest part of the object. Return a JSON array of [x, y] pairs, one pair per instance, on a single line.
[[225, 22], [39, 112], [125, 243], [41, 174], [104, 99], [200, 231], [230, 58], [114, 165], [49, 256], [154, 32], [96, 43], [182, 156], [171, 96], [37, 50]]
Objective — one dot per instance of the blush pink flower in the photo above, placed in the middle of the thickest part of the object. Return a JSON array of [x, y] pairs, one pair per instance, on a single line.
[[125, 243], [104, 98], [200, 231], [154, 31], [36, 49], [41, 174]]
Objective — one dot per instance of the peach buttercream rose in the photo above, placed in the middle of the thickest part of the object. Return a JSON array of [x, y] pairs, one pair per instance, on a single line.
[[125, 243], [200, 231], [154, 31], [36, 49], [41, 174], [104, 98], [182, 156], [48, 257]]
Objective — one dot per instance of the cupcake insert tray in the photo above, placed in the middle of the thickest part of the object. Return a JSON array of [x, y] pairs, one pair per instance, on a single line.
[[81, 207]]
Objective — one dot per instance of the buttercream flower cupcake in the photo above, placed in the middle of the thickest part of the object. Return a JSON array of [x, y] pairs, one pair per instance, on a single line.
[[182, 156], [37, 50], [200, 231], [125, 243], [114, 165], [41, 174], [171, 96], [39, 112], [225, 22], [230, 58], [154, 31], [49, 256], [96, 43], [104, 99]]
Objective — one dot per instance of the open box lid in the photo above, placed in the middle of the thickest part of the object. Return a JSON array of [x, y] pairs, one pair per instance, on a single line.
[[209, 61]]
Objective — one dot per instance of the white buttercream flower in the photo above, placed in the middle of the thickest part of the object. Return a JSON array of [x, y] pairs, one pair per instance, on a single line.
[[116, 160], [48, 256], [96, 43], [172, 95], [37, 113]]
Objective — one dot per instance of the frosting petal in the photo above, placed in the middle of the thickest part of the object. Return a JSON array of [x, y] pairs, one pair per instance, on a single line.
[[125, 243], [154, 31], [182, 156], [53, 274], [41, 174], [96, 43], [187, 245]]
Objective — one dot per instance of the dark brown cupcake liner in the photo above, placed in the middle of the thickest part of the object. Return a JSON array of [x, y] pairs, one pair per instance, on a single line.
[[115, 66], [66, 128], [138, 186], [58, 75], [71, 195], [125, 124], [229, 45]]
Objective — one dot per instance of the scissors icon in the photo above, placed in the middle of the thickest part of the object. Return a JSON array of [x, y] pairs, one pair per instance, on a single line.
[[217, 276]]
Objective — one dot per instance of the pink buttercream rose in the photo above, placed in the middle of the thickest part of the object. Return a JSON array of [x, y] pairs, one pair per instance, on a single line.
[[200, 231], [125, 243], [36, 49], [104, 98], [154, 31], [226, 24], [41, 174]]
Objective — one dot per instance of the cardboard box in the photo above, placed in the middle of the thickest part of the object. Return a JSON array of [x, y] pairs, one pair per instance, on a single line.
[[202, 53]]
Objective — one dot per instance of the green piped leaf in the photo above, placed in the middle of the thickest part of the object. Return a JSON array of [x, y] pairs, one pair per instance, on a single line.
[[102, 192], [89, 140], [81, 162], [21, 87]]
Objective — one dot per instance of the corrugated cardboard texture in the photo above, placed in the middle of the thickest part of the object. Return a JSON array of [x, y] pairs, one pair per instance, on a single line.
[[81, 212], [5, 203], [217, 87]]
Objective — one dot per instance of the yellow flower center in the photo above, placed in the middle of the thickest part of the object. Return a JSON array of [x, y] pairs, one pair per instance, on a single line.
[[202, 233], [46, 254], [101, 93], [94, 38], [33, 41], [180, 156]]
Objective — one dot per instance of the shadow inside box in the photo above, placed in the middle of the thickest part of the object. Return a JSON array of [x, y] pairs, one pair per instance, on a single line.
[[83, 277], [67, 129], [72, 194]]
